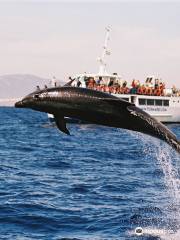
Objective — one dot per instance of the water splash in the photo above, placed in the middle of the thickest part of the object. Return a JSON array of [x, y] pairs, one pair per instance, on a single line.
[[168, 161], [170, 171]]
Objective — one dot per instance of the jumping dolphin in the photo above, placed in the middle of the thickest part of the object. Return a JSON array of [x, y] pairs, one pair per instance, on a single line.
[[96, 107]]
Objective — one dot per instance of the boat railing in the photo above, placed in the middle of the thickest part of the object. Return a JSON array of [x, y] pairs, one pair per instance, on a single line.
[[115, 89], [115, 85]]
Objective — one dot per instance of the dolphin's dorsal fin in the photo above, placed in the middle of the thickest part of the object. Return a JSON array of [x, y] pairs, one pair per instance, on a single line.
[[61, 124]]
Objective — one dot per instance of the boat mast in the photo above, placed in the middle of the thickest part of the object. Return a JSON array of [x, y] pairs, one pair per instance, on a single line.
[[105, 52]]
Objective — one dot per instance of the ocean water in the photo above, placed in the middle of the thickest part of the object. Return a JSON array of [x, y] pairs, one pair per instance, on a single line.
[[99, 183]]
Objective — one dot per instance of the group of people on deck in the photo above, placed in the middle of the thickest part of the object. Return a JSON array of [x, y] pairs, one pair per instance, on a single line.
[[151, 87], [148, 88]]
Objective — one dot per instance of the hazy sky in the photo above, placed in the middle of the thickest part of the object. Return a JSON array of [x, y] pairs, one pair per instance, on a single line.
[[55, 38]]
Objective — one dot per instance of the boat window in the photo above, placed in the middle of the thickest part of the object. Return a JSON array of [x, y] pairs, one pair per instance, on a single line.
[[158, 102], [142, 101], [150, 102], [165, 102]]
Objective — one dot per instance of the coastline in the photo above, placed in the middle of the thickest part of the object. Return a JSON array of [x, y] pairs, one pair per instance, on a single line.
[[5, 102]]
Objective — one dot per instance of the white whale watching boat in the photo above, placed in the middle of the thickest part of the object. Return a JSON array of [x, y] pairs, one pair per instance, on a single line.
[[161, 103]]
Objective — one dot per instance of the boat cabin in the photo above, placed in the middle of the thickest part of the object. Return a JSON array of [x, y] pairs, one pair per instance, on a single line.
[[84, 80]]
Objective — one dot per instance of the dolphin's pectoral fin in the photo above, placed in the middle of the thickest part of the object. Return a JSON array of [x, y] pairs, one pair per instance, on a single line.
[[61, 124]]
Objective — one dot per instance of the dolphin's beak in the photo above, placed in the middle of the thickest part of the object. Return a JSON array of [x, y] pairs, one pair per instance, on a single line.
[[19, 104]]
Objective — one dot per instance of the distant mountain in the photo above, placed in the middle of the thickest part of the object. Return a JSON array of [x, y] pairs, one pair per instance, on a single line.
[[18, 85]]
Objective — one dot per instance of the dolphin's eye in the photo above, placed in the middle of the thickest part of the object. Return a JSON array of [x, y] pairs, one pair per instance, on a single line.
[[36, 96]]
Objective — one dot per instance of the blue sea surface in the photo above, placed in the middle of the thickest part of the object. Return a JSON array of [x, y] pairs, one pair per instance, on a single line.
[[99, 183]]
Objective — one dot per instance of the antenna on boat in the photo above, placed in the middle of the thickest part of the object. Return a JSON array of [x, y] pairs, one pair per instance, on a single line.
[[105, 52]]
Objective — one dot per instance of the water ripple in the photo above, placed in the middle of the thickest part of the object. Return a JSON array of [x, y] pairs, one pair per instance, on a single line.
[[99, 183]]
